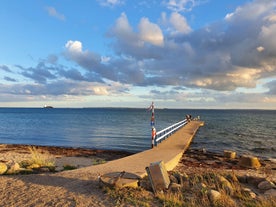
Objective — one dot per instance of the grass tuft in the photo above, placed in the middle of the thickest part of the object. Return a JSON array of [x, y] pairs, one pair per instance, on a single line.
[[39, 159]]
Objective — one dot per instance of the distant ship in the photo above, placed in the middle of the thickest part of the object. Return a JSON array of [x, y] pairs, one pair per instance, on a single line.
[[48, 107]]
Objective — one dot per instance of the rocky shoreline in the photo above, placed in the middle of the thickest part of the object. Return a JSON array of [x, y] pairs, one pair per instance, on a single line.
[[260, 181]]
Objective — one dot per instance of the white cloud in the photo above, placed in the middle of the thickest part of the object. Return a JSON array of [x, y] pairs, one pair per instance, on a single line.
[[111, 3], [179, 22], [181, 5], [124, 32], [54, 13], [260, 49], [74, 46], [150, 32]]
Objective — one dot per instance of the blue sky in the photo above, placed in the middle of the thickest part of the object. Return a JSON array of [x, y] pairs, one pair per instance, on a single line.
[[128, 53]]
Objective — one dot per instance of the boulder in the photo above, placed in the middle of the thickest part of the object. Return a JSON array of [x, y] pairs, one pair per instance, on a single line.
[[3, 168], [229, 154], [249, 162]]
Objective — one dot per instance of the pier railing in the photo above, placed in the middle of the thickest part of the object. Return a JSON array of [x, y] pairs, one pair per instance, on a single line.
[[165, 133]]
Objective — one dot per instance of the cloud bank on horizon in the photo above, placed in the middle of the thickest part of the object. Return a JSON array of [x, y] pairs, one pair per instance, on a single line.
[[227, 63]]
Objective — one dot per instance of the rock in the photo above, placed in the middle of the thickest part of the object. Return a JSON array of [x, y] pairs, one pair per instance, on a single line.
[[3, 168], [270, 193], [254, 180], [229, 154], [214, 195], [242, 178], [58, 168], [248, 192], [200, 187], [266, 185], [225, 184], [14, 168], [180, 177], [33, 166], [44, 169], [173, 179], [210, 162], [174, 187], [249, 162]]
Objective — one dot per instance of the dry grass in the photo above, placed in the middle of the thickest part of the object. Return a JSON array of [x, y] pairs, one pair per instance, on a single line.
[[194, 192], [38, 159], [130, 196]]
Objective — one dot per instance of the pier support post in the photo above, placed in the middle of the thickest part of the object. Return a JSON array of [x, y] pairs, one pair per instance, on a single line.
[[153, 130]]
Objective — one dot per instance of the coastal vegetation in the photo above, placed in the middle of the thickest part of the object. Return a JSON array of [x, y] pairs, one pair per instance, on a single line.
[[217, 188], [39, 159]]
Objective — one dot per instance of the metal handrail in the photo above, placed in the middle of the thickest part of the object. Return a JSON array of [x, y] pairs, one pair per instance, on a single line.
[[165, 133]]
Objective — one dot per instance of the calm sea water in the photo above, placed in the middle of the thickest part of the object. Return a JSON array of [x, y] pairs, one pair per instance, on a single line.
[[245, 131]]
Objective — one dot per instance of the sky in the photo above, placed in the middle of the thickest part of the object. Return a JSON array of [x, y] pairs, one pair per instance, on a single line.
[[210, 54]]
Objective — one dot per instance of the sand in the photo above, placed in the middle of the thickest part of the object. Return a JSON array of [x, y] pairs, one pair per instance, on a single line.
[[54, 189]]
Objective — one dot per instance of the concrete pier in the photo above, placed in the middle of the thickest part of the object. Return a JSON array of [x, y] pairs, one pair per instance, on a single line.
[[169, 151]]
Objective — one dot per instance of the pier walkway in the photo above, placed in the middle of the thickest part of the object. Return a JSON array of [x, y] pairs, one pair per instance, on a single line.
[[169, 151]]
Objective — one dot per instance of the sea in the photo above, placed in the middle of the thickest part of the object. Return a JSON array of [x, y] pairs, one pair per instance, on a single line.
[[250, 132]]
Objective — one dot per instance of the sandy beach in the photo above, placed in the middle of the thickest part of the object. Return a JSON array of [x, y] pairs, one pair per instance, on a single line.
[[80, 187], [54, 189]]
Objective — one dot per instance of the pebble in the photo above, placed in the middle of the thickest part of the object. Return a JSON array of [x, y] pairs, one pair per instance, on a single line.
[[214, 195], [249, 192], [271, 192], [174, 187], [266, 185]]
